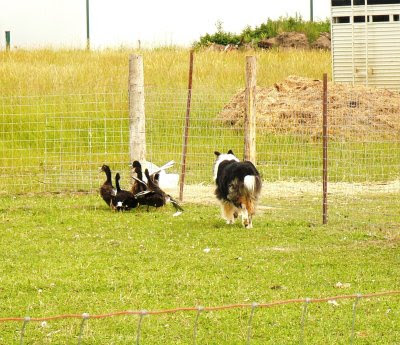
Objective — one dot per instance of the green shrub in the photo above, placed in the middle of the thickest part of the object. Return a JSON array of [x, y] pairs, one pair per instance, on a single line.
[[219, 37], [266, 30]]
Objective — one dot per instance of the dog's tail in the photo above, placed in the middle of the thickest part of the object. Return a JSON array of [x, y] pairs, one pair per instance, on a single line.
[[253, 184]]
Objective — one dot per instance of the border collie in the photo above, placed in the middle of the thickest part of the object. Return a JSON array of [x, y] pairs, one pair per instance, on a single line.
[[238, 187]]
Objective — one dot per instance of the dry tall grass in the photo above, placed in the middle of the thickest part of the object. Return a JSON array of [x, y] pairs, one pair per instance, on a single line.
[[31, 72]]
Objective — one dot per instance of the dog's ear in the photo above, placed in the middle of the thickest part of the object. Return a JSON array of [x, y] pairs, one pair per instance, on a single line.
[[230, 152], [217, 153]]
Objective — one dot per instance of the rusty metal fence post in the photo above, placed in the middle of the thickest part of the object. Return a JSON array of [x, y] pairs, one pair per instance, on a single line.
[[325, 150], [186, 131]]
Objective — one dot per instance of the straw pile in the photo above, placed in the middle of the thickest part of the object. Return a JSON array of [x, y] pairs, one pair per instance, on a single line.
[[295, 106]]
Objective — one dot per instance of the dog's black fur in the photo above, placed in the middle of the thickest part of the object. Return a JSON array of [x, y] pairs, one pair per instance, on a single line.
[[228, 171], [238, 187]]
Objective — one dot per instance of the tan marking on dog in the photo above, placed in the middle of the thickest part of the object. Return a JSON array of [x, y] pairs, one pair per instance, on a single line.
[[248, 203], [228, 211], [250, 206], [242, 200]]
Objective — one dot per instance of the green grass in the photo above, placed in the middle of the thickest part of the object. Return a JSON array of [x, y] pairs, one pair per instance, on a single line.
[[70, 254], [64, 113]]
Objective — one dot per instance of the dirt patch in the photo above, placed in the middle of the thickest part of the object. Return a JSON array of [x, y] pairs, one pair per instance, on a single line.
[[285, 40], [294, 106], [323, 42], [296, 40], [204, 194]]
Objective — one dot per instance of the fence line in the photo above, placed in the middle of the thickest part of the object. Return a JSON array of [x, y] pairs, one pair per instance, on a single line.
[[55, 143], [202, 309], [142, 313]]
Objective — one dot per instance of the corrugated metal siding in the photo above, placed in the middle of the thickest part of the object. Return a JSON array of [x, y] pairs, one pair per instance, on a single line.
[[350, 56]]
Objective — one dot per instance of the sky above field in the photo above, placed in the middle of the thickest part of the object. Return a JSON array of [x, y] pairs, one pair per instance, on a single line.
[[62, 23]]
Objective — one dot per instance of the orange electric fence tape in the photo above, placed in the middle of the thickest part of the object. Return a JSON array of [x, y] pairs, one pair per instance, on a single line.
[[203, 309]]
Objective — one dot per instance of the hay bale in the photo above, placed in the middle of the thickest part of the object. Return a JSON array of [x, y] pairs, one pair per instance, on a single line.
[[296, 40], [294, 106], [323, 42], [267, 43]]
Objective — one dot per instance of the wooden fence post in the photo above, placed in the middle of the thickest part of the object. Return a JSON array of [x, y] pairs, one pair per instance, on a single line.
[[325, 150], [137, 118], [250, 116]]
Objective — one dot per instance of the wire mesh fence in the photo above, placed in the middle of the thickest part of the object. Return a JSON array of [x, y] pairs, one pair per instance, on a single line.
[[55, 143], [364, 154], [250, 330]]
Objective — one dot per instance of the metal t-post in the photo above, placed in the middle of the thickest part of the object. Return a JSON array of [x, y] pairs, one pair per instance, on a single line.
[[87, 26], [8, 40]]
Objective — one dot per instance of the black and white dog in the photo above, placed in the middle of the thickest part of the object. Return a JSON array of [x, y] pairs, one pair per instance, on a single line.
[[238, 187]]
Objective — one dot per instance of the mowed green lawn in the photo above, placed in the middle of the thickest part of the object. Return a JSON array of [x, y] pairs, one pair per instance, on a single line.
[[64, 254]]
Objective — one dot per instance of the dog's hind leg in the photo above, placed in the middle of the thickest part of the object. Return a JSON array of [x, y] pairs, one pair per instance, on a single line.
[[251, 211], [228, 213], [250, 223], [247, 210], [245, 216]]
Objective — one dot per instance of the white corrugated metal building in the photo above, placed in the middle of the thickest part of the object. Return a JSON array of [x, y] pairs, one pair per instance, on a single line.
[[366, 42]]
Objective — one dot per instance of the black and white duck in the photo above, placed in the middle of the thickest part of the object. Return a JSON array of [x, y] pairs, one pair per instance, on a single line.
[[155, 196], [123, 200], [139, 184]]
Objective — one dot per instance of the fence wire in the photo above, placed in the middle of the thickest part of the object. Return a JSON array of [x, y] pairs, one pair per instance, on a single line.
[[55, 143], [85, 317]]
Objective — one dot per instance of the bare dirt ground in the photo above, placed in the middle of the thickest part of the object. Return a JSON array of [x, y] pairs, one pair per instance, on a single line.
[[204, 194]]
